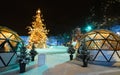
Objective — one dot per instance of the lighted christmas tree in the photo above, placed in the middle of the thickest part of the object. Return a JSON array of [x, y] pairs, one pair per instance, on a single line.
[[38, 32]]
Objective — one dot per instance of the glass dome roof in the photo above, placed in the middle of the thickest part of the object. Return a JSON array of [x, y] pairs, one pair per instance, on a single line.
[[9, 40], [101, 40]]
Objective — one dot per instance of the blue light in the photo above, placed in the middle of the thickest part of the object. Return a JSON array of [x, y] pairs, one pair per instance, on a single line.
[[115, 28], [88, 28]]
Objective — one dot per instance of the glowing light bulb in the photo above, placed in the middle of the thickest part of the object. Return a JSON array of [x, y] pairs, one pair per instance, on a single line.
[[38, 11]]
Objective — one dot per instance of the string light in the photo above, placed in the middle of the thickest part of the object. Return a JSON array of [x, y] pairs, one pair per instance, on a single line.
[[38, 32]]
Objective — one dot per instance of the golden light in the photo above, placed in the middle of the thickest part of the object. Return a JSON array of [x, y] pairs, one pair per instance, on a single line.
[[38, 11], [8, 39], [38, 33], [101, 39]]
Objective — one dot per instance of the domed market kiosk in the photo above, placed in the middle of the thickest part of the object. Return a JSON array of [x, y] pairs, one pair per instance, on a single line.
[[10, 43], [103, 45]]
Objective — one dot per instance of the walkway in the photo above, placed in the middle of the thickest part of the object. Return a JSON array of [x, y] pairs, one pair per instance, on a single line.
[[75, 68], [57, 63]]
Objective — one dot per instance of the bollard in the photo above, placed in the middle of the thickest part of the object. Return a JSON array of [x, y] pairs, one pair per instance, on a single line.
[[41, 59]]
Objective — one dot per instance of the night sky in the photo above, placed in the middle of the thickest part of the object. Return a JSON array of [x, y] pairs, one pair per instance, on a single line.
[[60, 15]]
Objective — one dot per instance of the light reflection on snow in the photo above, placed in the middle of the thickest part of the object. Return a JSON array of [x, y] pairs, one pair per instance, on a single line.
[[54, 55]]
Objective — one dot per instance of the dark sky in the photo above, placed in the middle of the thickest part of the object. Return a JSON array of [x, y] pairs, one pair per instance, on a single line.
[[60, 15]]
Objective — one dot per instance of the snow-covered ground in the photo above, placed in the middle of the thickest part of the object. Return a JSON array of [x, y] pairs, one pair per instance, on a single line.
[[54, 61], [47, 58], [53, 49]]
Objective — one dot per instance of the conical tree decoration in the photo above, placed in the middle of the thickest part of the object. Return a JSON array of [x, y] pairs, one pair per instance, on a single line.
[[38, 32]]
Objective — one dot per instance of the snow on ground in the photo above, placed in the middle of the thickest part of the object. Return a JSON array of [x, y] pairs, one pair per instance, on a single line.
[[56, 63], [53, 49], [49, 57]]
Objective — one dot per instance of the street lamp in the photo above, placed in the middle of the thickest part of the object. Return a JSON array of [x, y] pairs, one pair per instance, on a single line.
[[88, 28]]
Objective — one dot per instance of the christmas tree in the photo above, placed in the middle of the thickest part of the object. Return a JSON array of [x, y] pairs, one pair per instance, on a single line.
[[38, 32]]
